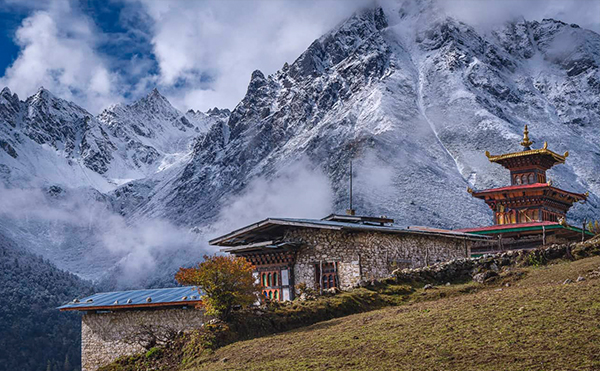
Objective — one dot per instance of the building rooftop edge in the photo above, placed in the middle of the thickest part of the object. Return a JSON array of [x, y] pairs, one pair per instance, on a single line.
[[135, 299], [334, 225]]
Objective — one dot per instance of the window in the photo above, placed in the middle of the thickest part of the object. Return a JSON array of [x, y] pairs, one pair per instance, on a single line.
[[531, 178], [327, 275], [271, 282]]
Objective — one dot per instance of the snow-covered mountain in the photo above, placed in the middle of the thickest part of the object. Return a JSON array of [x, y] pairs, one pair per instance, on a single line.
[[57, 163], [47, 140], [414, 98]]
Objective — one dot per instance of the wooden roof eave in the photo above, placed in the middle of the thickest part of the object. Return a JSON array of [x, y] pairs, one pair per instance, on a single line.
[[481, 194]]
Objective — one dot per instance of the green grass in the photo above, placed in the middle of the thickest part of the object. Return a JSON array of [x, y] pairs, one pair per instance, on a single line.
[[536, 323]]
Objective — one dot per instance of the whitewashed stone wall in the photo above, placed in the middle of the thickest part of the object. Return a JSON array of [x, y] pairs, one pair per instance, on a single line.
[[368, 255], [108, 336]]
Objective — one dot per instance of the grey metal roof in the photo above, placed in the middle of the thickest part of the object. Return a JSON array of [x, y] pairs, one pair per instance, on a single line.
[[335, 225], [136, 299]]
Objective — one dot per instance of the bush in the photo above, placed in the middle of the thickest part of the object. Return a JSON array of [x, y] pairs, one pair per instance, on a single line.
[[224, 281]]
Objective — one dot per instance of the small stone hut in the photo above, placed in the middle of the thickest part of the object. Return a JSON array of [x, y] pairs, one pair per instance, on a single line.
[[338, 251], [125, 323]]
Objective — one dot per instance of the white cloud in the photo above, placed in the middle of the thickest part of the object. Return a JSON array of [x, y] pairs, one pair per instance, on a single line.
[[83, 235], [207, 50], [58, 52], [585, 13], [298, 190], [213, 46]]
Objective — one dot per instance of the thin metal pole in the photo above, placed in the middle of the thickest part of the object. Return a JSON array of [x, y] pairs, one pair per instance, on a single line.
[[350, 184], [321, 277], [543, 235]]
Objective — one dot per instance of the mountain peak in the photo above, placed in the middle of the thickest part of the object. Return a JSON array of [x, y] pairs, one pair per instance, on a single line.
[[8, 96], [154, 91], [43, 93]]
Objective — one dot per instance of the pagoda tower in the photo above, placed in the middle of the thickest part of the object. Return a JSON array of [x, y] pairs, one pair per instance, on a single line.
[[530, 205], [530, 197]]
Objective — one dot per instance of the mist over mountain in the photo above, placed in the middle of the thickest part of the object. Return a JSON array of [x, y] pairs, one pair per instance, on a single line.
[[413, 97]]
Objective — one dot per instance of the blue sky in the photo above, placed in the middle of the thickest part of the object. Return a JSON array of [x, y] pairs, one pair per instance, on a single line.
[[199, 53]]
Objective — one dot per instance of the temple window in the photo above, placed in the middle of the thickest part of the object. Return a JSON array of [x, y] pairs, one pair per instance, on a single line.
[[275, 279], [269, 280], [531, 178], [519, 180], [264, 280]]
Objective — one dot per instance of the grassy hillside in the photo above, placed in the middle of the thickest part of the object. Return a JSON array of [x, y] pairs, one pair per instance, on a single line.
[[522, 317], [537, 323]]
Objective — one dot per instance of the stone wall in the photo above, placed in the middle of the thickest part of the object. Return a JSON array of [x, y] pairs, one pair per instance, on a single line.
[[488, 266], [107, 336], [368, 255]]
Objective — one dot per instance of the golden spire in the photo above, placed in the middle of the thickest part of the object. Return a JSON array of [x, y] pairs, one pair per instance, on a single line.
[[526, 142]]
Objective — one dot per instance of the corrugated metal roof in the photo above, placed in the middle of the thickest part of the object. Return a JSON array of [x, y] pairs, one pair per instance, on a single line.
[[335, 225], [136, 299]]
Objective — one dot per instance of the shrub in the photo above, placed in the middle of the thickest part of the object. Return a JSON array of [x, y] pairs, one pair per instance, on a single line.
[[225, 281], [594, 227]]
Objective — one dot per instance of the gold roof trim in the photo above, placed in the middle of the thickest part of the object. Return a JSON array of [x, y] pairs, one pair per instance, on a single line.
[[541, 151], [526, 142]]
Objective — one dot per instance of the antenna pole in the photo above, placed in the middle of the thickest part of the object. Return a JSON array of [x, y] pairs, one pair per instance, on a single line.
[[350, 211], [350, 184]]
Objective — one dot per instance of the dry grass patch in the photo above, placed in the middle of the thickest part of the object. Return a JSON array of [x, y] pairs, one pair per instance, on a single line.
[[535, 324]]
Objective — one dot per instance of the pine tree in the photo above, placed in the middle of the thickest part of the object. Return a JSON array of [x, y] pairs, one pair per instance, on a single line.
[[67, 364]]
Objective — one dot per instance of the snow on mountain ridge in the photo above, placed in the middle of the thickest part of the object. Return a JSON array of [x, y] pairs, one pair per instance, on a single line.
[[47, 140], [422, 93], [413, 97]]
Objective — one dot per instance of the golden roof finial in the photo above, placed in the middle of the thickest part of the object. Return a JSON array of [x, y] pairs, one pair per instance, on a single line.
[[526, 142]]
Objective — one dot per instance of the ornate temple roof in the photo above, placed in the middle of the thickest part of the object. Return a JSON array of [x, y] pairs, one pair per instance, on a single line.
[[504, 159], [577, 196]]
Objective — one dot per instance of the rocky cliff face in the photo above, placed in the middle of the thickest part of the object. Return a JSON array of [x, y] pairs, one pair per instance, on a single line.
[[47, 140], [57, 163], [412, 97], [418, 96]]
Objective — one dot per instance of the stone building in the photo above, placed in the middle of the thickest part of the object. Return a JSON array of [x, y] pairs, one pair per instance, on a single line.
[[125, 323], [338, 251]]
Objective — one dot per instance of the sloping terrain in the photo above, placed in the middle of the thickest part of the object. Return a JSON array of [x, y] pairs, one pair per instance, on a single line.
[[537, 323]]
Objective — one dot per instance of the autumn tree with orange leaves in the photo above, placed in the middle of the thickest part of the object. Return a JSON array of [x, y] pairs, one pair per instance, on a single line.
[[224, 282]]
